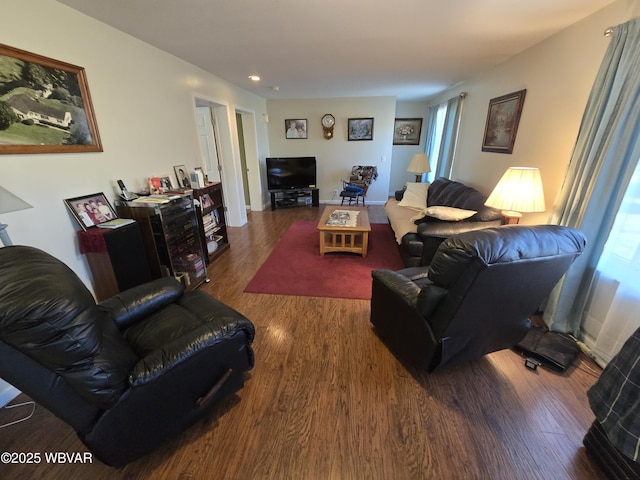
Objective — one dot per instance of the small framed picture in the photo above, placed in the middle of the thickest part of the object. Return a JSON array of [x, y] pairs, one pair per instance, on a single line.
[[165, 183], [182, 175], [406, 131], [91, 210], [295, 128], [360, 129], [503, 118]]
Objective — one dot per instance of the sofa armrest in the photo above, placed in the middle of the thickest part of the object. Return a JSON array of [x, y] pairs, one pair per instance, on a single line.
[[127, 307], [448, 229]]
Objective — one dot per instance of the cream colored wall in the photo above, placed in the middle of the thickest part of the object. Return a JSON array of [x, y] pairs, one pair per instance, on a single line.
[[144, 104], [558, 75], [335, 157], [402, 154]]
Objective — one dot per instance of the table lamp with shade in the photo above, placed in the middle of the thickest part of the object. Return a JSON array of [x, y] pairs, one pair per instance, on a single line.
[[518, 191], [419, 165], [9, 203]]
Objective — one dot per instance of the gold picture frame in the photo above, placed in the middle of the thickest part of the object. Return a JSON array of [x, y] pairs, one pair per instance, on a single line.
[[45, 105]]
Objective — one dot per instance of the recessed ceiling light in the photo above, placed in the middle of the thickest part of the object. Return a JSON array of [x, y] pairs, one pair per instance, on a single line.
[[254, 78]]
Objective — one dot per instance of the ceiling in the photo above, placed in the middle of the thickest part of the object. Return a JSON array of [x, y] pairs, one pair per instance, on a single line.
[[410, 49]]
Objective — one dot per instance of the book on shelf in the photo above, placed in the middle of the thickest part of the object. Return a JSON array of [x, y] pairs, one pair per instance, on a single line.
[[209, 219], [116, 223]]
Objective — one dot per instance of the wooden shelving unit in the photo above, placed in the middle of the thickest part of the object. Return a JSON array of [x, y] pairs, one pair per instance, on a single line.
[[212, 220], [171, 235]]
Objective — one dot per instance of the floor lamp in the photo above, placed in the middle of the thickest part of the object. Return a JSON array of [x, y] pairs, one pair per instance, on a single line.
[[519, 190], [9, 203]]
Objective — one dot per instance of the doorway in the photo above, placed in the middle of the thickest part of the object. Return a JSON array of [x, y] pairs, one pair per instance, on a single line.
[[229, 154], [208, 143], [243, 160]]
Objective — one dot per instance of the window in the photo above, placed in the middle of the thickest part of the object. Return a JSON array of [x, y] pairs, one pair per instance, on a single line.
[[442, 135], [613, 309]]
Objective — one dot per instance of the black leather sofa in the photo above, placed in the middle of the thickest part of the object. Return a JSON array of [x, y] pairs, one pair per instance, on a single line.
[[127, 374], [476, 296], [417, 249]]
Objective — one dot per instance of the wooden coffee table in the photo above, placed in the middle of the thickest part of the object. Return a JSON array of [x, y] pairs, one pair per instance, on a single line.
[[343, 238]]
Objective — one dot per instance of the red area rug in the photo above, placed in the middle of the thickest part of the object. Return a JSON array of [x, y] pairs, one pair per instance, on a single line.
[[295, 266]]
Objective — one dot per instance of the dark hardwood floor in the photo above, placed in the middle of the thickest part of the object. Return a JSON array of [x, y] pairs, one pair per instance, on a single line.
[[327, 400]]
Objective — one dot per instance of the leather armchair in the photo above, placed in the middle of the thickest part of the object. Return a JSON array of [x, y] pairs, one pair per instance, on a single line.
[[477, 295], [127, 374]]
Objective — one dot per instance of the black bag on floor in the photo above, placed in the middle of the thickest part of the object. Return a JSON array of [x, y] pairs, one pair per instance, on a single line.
[[554, 350]]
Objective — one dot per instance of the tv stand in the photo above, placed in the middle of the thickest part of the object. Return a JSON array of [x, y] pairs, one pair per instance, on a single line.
[[294, 198]]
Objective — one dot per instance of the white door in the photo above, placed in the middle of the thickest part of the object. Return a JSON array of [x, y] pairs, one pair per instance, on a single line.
[[206, 134]]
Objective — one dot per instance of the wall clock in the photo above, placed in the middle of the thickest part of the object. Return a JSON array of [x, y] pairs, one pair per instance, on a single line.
[[328, 122]]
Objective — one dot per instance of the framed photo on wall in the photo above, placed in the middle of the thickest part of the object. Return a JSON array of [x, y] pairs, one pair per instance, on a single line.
[[360, 129], [503, 118], [46, 106], [295, 128], [91, 210], [406, 131]]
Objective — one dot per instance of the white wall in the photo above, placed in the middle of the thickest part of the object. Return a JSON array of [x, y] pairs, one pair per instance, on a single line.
[[144, 104], [402, 154], [558, 75], [335, 157]]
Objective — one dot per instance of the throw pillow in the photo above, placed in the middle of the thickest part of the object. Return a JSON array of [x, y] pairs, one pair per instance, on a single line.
[[441, 212], [415, 196]]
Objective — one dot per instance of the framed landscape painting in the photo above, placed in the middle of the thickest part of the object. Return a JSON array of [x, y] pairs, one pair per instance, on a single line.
[[360, 129], [502, 122], [45, 106]]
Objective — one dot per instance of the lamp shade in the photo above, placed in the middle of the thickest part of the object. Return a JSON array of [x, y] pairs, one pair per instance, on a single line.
[[11, 203], [519, 190], [419, 164]]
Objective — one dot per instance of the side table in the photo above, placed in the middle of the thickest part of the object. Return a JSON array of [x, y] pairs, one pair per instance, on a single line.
[[116, 257]]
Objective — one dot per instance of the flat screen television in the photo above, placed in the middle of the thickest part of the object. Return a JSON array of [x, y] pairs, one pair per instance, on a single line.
[[290, 173]]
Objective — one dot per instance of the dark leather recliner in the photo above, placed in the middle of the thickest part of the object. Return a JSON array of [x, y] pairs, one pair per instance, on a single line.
[[126, 374], [477, 295]]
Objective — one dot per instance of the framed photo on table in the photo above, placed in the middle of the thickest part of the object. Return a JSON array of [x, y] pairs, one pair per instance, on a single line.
[[91, 210], [503, 118], [182, 175]]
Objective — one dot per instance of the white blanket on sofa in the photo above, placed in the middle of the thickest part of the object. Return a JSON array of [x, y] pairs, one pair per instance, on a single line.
[[400, 219]]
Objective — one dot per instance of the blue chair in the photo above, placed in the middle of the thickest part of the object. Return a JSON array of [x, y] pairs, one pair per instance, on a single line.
[[357, 185]]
